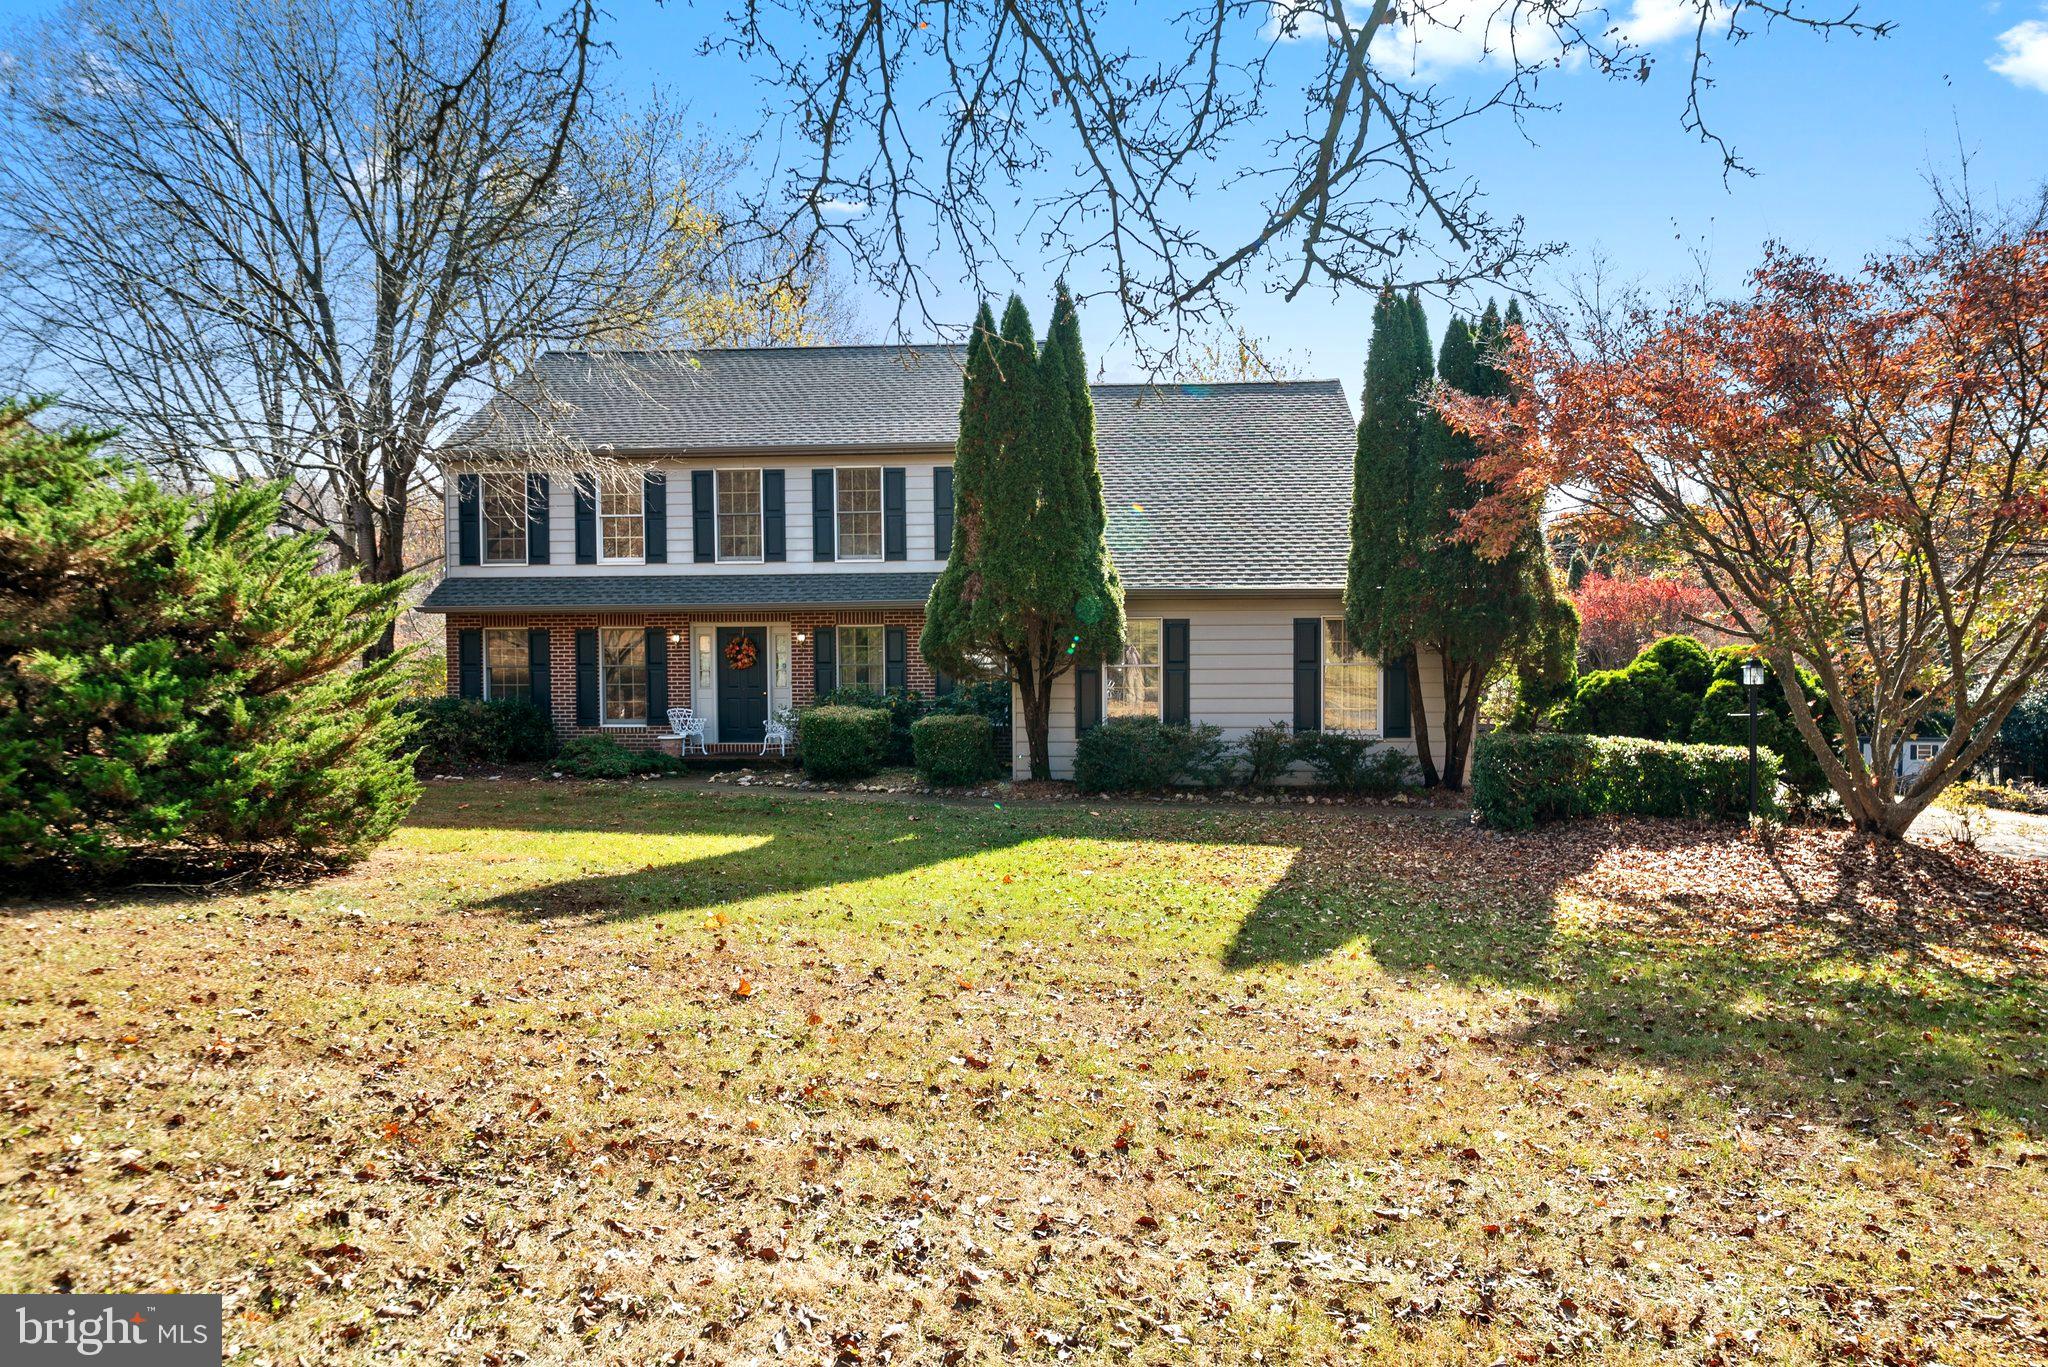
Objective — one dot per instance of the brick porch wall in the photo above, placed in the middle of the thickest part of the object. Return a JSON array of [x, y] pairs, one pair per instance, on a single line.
[[562, 629]]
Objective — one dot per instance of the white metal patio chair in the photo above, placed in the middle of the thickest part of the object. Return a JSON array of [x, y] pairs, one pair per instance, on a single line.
[[779, 731], [684, 722]]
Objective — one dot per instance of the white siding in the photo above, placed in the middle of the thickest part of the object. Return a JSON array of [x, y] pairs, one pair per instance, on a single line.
[[1240, 670], [919, 522]]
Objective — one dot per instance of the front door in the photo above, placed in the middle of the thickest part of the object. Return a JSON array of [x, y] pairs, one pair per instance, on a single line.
[[742, 692]]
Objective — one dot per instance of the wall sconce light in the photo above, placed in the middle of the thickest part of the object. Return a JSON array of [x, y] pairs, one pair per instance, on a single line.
[[675, 638], [801, 638]]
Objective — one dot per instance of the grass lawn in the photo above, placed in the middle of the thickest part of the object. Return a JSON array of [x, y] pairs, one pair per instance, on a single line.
[[634, 1073]]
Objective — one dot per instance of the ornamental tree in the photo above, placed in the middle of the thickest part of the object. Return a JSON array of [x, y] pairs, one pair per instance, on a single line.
[[177, 679], [1621, 613], [1855, 465], [1029, 588]]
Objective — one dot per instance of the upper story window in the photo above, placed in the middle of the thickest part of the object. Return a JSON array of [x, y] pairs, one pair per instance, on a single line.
[[504, 513], [1351, 683], [862, 663], [508, 666], [622, 675], [859, 512], [739, 514], [621, 516], [1133, 684]]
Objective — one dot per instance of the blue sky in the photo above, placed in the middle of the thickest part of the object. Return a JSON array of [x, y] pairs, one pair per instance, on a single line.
[[1842, 135]]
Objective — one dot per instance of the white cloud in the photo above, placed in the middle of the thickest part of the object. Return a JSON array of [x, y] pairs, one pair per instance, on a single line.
[[1659, 21], [2024, 60], [1451, 34]]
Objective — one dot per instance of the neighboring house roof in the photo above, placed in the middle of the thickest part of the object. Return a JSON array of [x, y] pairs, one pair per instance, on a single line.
[[1218, 487], [533, 592]]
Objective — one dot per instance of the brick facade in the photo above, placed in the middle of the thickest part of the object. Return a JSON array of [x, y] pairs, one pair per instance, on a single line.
[[804, 626]]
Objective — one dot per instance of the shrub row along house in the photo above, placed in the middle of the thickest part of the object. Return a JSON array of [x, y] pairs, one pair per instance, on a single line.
[[762, 526]]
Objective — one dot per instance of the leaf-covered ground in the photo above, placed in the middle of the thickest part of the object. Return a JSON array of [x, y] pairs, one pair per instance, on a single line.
[[637, 1074]]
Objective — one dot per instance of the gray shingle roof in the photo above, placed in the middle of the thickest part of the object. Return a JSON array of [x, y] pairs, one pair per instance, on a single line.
[[487, 593], [737, 399], [1208, 486]]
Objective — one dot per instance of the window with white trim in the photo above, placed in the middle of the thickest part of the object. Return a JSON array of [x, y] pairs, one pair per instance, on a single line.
[[1351, 683], [863, 661], [622, 517], [504, 514], [508, 666], [1134, 683], [622, 675], [1922, 751], [739, 514], [858, 502]]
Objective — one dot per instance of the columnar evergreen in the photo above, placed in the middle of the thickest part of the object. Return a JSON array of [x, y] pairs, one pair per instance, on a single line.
[[175, 678], [1029, 589], [1381, 591], [1416, 587]]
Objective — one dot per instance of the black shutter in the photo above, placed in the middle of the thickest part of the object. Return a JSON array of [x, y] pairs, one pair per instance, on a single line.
[[895, 536], [657, 677], [586, 676], [1308, 674], [540, 688], [469, 662], [825, 651], [703, 516], [895, 659], [654, 516], [536, 519], [942, 512], [821, 515], [586, 519], [1087, 697], [469, 514], [1174, 640], [1396, 720], [774, 546]]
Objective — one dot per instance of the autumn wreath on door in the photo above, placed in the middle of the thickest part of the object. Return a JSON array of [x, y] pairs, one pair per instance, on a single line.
[[741, 652]]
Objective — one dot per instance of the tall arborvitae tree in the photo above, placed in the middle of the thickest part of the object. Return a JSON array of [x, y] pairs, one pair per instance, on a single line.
[[1381, 589], [1029, 589]]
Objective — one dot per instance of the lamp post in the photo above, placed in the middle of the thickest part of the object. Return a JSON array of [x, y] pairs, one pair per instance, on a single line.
[[1752, 680]]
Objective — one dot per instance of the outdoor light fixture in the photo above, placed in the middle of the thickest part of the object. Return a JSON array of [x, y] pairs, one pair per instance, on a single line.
[[675, 638], [1752, 680], [801, 638]]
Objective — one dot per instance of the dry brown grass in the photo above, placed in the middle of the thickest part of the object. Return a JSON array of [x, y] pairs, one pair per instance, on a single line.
[[624, 1074]]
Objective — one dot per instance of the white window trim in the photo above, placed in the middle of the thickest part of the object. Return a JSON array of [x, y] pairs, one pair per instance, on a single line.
[[639, 478], [1379, 730], [602, 719], [881, 514], [519, 635], [1102, 670], [839, 653], [760, 514], [483, 518], [1913, 745]]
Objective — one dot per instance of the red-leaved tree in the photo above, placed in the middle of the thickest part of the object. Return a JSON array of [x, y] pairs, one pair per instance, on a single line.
[[1621, 613], [1856, 466]]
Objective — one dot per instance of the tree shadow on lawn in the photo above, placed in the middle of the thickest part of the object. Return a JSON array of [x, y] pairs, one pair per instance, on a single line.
[[1817, 967]]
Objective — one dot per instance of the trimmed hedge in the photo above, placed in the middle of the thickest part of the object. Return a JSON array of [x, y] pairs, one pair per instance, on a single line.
[[1520, 780], [595, 757], [1353, 764], [841, 742], [1144, 754], [478, 731], [954, 749]]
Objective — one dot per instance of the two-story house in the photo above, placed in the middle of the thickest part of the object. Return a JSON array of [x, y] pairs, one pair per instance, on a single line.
[[765, 525]]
